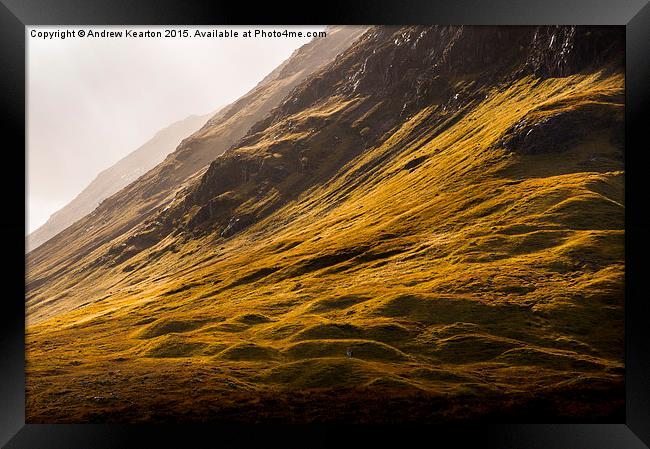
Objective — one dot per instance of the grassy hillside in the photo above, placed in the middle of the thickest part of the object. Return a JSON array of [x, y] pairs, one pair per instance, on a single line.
[[464, 259]]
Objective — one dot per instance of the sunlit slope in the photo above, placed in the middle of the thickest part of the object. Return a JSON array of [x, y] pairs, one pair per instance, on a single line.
[[464, 253]]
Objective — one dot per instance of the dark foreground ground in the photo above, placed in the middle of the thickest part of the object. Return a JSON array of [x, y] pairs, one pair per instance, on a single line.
[[603, 403]]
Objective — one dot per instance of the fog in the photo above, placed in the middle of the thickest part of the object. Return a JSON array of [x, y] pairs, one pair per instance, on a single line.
[[92, 101]]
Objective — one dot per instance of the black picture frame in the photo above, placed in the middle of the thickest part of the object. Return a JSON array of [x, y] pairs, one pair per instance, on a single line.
[[634, 15]]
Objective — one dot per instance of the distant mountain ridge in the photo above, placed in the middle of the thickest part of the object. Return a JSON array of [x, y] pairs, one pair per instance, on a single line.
[[116, 177]]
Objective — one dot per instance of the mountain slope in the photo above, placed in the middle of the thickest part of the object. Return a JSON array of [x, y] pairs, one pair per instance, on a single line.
[[88, 239], [429, 227], [113, 179]]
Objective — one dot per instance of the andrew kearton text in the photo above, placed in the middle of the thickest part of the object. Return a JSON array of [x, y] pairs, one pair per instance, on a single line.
[[173, 33]]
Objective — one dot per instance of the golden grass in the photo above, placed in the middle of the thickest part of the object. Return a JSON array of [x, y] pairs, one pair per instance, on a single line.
[[453, 266]]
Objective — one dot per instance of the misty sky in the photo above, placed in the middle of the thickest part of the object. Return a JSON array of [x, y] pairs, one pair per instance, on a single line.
[[92, 101]]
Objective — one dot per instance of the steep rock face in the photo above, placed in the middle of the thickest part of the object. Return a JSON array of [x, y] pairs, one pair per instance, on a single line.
[[386, 76], [540, 133], [561, 51], [100, 235], [113, 179], [415, 64]]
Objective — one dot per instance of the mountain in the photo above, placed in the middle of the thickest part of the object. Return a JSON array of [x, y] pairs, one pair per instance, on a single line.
[[430, 227], [138, 201], [118, 176]]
